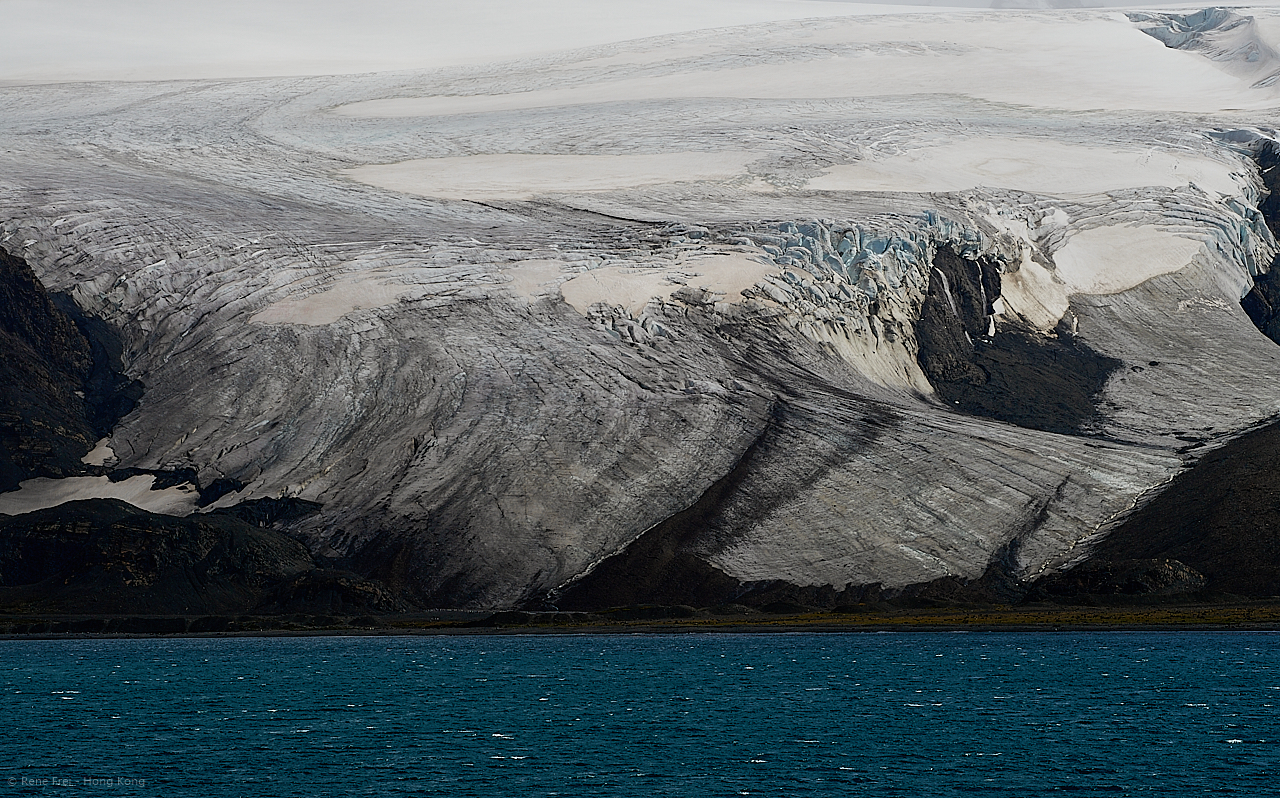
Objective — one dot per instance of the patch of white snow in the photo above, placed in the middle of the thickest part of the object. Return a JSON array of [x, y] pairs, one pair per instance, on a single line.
[[728, 273], [517, 176], [41, 492], [347, 294], [1041, 166], [1032, 293], [101, 454], [1108, 260]]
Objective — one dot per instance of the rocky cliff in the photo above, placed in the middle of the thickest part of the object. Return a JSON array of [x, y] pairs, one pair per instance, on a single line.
[[104, 556], [61, 387]]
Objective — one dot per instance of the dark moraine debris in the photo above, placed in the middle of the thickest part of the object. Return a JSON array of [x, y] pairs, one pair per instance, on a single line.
[[1019, 375], [61, 381], [1220, 519]]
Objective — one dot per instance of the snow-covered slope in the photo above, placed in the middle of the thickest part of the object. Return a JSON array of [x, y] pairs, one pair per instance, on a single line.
[[502, 321]]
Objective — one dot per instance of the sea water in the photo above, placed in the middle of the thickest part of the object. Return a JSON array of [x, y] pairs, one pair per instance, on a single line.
[[909, 714]]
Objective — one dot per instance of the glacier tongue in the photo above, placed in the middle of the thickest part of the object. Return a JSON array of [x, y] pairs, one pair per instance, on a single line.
[[494, 395]]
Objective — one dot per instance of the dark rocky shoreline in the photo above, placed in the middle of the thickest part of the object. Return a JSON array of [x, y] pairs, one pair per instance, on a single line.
[[103, 556], [1192, 616]]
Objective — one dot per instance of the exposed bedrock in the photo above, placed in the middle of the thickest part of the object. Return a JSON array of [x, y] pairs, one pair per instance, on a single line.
[[1262, 303], [1120, 581], [1220, 519], [1007, 370], [105, 556], [61, 382]]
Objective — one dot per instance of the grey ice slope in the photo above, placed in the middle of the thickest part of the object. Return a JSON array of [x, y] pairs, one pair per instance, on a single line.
[[477, 445]]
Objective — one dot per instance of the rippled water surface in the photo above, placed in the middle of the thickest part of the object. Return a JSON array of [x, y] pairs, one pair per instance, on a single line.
[[685, 715]]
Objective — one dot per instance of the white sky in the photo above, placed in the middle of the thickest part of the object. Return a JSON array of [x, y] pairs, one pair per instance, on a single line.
[[174, 39], [60, 40]]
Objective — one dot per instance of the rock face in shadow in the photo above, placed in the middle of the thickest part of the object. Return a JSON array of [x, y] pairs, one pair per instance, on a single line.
[[662, 566], [1018, 375], [329, 590], [1262, 303], [106, 556], [1153, 578], [1220, 519], [955, 316], [60, 383]]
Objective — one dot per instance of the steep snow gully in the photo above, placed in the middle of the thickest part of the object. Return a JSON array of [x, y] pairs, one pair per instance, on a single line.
[[481, 337]]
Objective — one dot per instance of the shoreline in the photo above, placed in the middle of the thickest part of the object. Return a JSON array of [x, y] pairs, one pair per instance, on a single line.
[[1244, 617]]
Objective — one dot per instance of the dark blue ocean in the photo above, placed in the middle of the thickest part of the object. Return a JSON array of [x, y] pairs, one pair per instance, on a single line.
[[911, 714]]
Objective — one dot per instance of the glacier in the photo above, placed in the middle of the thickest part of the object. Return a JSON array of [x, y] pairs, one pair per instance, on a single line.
[[677, 319]]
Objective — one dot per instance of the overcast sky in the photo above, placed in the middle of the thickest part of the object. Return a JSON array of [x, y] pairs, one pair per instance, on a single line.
[[175, 39]]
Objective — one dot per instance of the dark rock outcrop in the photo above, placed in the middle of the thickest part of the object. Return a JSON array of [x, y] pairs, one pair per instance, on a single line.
[[105, 556], [269, 512], [955, 316], [60, 383], [328, 590], [1120, 579], [1019, 375], [1262, 303], [1220, 519]]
